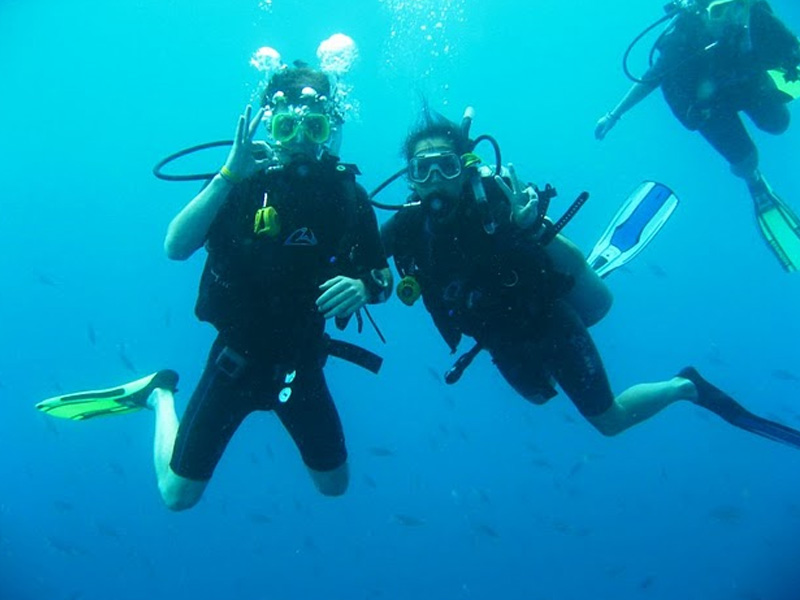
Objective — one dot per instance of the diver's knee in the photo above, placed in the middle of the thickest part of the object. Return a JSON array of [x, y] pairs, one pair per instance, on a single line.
[[332, 483], [179, 493], [778, 122], [608, 422], [746, 168]]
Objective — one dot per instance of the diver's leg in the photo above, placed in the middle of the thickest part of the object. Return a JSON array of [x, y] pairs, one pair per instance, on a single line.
[[579, 370], [178, 493], [521, 363], [187, 453], [726, 132], [311, 418], [589, 296], [767, 107], [640, 402]]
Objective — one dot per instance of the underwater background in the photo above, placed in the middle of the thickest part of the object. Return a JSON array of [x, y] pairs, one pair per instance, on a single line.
[[462, 492]]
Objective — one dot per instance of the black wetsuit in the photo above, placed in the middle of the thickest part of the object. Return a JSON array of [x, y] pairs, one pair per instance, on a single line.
[[502, 290], [259, 292], [707, 88]]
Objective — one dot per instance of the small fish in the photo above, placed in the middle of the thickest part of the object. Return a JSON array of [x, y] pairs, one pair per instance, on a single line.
[[562, 527], [408, 520], [125, 359], [657, 271], [91, 334], [714, 356], [65, 548], [369, 482], [167, 318], [380, 451], [63, 505], [50, 425], [435, 375], [484, 497], [576, 468], [535, 449], [117, 469], [486, 530], [542, 463], [784, 375], [647, 582], [259, 518], [583, 532], [726, 514], [254, 460], [615, 571], [46, 280], [270, 453], [108, 530], [309, 544], [568, 418]]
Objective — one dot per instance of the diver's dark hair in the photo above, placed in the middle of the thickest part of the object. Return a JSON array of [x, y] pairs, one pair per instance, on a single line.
[[292, 80], [431, 124]]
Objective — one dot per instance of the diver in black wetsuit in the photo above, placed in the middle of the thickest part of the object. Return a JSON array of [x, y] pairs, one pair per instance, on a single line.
[[720, 58], [471, 245]]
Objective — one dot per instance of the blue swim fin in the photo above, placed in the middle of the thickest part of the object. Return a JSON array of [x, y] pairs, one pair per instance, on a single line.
[[634, 226]]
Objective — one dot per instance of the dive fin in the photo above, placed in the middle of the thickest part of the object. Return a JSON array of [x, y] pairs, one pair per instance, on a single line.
[[790, 88], [718, 402], [779, 226], [111, 401], [634, 226]]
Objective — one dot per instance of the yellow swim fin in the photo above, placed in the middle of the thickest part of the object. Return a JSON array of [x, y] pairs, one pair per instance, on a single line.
[[118, 400]]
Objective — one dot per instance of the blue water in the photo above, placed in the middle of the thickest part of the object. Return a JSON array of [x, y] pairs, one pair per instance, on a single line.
[[457, 493]]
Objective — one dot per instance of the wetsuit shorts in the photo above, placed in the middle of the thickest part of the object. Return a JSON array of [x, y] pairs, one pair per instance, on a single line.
[[224, 397], [562, 348], [760, 99]]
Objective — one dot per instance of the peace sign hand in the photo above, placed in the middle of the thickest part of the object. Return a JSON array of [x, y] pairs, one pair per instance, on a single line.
[[242, 161], [524, 201]]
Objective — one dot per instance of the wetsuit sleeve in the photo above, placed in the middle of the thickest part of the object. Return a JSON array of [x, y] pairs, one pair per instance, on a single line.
[[775, 45], [389, 235], [369, 252], [221, 227]]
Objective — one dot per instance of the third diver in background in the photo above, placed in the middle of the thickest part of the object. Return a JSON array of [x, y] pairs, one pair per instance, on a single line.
[[717, 59]]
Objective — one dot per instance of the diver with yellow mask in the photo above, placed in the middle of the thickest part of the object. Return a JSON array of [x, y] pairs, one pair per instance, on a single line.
[[717, 59], [291, 243]]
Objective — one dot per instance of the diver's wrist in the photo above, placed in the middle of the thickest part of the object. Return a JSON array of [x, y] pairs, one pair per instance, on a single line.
[[227, 175], [378, 287]]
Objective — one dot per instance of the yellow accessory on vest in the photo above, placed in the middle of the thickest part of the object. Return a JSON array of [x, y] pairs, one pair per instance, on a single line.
[[267, 221], [408, 290]]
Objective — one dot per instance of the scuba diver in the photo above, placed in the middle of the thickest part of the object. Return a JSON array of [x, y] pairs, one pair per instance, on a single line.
[[716, 59], [291, 241], [477, 247]]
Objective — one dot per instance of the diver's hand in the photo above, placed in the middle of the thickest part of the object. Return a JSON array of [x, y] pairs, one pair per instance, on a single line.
[[605, 124], [524, 201], [341, 297], [243, 159]]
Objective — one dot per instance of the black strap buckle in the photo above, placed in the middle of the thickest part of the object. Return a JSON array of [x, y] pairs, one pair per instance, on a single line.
[[231, 363]]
